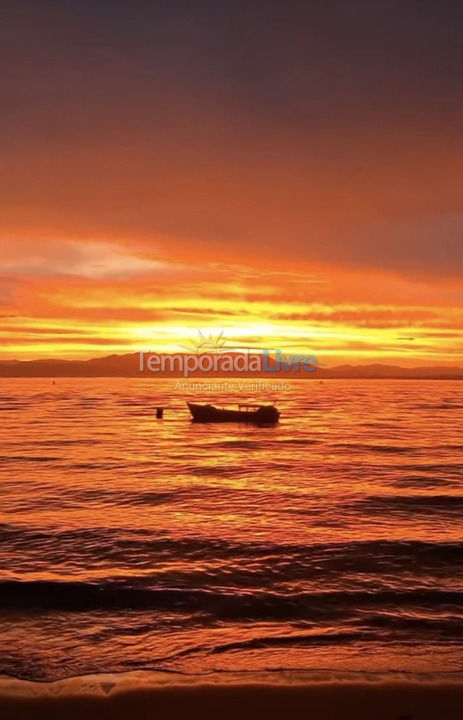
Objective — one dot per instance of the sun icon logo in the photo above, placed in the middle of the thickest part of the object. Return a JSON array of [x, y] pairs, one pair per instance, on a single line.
[[206, 344]]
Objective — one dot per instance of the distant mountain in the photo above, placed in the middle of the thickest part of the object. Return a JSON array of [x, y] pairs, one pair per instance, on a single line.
[[108, 366], [129, 366], [394, 371]]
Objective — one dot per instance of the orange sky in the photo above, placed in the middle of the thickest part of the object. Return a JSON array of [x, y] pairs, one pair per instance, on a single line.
[[292, 179], [118, 301]]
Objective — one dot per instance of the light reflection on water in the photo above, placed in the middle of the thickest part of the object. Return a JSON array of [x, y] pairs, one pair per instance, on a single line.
[[332, 539]]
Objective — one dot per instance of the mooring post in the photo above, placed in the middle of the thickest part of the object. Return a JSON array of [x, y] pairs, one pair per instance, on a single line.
[[159, 413]]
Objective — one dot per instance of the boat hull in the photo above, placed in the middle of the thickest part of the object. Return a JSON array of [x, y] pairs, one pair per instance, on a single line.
[[265, 415]]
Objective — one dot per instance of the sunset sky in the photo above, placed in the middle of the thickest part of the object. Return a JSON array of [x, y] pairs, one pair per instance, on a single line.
[[289, 172]]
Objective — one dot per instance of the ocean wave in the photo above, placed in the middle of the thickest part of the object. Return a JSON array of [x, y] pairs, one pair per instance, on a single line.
[[434, 504], [451, 470], [136, 543], [81, 596], [422, 481], [363, 447], [4, 459]]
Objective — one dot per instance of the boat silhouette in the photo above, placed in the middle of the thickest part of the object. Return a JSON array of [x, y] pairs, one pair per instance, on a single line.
[[257, 414]]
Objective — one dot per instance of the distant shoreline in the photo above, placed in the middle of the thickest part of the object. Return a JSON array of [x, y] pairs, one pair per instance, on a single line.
[[207, 378], [129, 366]]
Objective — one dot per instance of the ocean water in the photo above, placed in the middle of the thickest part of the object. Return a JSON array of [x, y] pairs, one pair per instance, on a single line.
[[330, 541]]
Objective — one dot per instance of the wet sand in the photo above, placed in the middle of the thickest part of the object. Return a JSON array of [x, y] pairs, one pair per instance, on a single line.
[[152, 695]]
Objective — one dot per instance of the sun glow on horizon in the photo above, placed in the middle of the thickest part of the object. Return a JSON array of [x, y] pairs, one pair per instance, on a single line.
[[75, 316]]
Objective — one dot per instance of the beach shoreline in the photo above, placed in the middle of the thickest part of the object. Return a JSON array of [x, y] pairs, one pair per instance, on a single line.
[[340, 696]]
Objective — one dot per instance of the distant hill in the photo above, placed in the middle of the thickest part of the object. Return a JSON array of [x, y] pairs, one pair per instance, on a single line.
[[129, 366], [393, 371]]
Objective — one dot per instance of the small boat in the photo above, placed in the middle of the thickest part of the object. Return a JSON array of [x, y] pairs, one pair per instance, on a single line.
[[257, 414]]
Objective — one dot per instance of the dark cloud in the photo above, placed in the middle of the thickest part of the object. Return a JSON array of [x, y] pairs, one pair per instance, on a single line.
[[329, 131]]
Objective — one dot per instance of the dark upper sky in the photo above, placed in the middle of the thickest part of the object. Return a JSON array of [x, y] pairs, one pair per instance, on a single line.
[[328, 131]]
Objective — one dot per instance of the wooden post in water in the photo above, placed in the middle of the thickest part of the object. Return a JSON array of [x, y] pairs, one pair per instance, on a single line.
[[159, 413]]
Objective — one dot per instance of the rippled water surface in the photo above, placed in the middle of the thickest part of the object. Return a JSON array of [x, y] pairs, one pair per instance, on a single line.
[[332, 540]]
